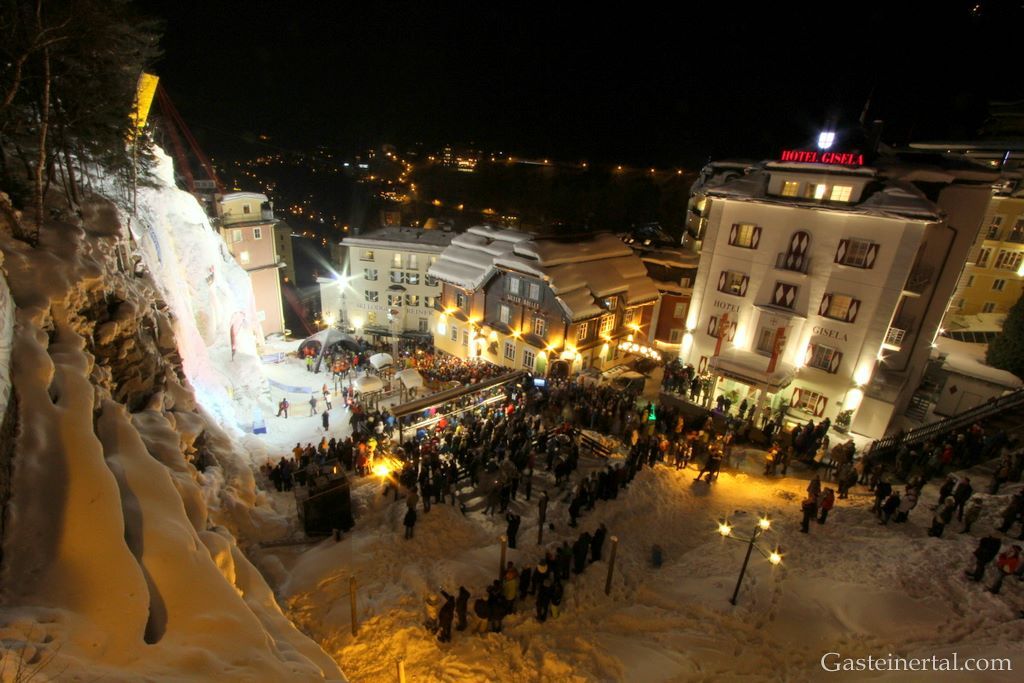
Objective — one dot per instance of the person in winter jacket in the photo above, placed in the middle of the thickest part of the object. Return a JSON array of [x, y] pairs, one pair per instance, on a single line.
[[325, 417], [891, 504], [495, 607], [961, 494], [828, 500], [557, 591], [946, 490], [525, 579], [908, 501], [580, 549], [883, 490], [282, 407], [445, 617], [972, 514], [563, 561], [809, 507], [1007, 564], [409, 522], [539, 576], [942, 517], [432, 612], [461, 605], [312, 405], [814, 487], [512, 530], [543, 599], [986, 551], [510, 587], [597, 542]]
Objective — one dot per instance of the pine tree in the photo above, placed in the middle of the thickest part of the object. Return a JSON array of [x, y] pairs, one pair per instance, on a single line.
[[1006, 351]]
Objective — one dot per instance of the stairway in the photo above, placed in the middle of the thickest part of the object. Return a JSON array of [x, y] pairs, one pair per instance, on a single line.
[[919, 404]]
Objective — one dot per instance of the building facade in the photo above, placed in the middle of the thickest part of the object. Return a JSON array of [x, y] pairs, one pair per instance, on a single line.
[[543, 305], [993, 280], [246, 223], [821, 287], [383, 286]]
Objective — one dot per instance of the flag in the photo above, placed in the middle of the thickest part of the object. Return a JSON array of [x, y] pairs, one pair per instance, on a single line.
[[777, 345], [723, 328]]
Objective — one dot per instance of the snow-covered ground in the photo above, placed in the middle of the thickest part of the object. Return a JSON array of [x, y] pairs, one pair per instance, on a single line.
[[851, 586]]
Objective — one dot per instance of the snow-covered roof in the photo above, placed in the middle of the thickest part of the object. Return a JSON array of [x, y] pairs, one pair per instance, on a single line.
[[408, 239], [964, 358], [580, 273]]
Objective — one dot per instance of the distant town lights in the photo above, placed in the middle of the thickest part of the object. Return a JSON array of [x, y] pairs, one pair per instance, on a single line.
[[825, 139]]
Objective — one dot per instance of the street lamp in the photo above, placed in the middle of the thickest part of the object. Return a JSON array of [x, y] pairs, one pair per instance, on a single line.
[[773, 556]]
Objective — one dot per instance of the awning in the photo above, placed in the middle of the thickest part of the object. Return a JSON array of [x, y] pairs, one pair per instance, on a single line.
[[751, 368], [457, 392], [410, 378], [381, 360], [367, 384]]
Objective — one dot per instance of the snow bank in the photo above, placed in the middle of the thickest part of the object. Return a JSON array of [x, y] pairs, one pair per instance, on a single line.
[[119, 558]]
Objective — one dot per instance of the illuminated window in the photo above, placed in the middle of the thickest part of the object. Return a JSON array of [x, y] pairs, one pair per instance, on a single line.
[[581, 331], [236, 235], [815, 191], [856, 253], [1008, 260], [394, 299], [513, 286], [765, 341], [510, 351], [534, 291], [790, 188], [733, 282], [504, 313], [680, 310], [538, 326], [994, 228], [822, 357], [840, 193], [412, 299], [460, 299], [367, 255], [743, 235], [412, 278], [465, 337], [839, 307], [455, 333], [528, 358], [607, 323], [243, 257], [397, 277], [370, 274], [396, 260], [809, 401], [371, 318], [413, 261], [983, 256]]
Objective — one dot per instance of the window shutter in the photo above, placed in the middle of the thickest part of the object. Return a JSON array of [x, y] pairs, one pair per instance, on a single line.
[[872, 254], [784, 295], [733, 231], [841, 250], [702, 366], [795, 398], [809, 354], [713, 326], [826, 301], [819, 407], [743, 285], [798, 243], [756, 237], [731, 334], [721, 281], [837, 358], [851, 313]]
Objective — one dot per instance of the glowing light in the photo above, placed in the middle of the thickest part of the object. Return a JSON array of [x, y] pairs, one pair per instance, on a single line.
[[687, 343], [724, 529], [863, 374], [357, 323], [764, 524], [853, 399], [775, 557], [329, 319], [825, 139]]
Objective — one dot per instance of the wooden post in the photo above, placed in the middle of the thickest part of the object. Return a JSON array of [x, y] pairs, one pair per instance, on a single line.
[[504, 546], [611, 566], [543, 506], [352, 599], [401, 670]]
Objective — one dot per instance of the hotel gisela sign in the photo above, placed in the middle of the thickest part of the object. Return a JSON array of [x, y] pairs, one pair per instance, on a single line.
[[822, 157]]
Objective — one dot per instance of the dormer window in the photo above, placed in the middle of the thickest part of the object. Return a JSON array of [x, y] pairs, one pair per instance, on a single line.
[[609, 303]]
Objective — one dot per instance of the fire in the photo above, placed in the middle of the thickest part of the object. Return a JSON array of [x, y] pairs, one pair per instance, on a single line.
[[385, 465]]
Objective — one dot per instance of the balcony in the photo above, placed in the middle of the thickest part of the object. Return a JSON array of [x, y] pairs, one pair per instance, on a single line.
[[795, 263], [894, 338], [1016, 236], [919, 279]]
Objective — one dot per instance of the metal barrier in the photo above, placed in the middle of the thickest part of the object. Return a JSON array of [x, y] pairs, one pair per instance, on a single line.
[[971, 416]]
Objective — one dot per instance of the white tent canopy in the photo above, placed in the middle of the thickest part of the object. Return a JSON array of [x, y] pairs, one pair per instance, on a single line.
[[381, 360], [367, 384], [410, 378]]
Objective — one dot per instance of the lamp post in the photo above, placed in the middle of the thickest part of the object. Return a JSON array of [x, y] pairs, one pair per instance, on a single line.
[[773, 556]]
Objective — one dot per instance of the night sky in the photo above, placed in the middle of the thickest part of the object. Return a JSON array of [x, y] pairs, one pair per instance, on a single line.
[[570, 82]]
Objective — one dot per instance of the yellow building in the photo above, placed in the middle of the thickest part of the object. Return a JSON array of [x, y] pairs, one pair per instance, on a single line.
[[993, 278]]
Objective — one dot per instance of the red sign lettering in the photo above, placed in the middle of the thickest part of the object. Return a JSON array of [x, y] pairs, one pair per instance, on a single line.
[[813, 157]]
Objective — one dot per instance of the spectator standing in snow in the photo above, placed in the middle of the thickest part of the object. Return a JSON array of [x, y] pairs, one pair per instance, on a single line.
[[461, 605], [986, 551], [432, 612], [809, 508], [1008, 563], [961, 494], [512, 530], [312, 405], [325, 418], [972, 514], [445, 617], [597, 542], [409, 522], [828, 499], [327, 397], [282, 407], [943, 516]]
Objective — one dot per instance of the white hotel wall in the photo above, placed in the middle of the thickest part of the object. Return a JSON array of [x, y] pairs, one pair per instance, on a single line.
[[878, 289]]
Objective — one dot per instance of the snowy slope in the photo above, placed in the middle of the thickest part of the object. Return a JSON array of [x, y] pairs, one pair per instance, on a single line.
[[119, 556]]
